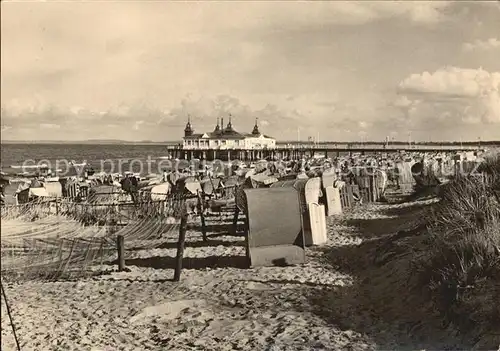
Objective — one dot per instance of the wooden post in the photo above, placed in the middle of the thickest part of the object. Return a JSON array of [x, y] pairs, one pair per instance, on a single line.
[[371, 187], [180, 247], [60, 250], [350, 198], [160, 214], [247, 239], [57, 206], [202, 216], [120, 245], [60, 257], [68, 258], [14, 333]]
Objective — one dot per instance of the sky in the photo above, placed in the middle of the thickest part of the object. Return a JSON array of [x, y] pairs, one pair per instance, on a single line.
[[346, 71]]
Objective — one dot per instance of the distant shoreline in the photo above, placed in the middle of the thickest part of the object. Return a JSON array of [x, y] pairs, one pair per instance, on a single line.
[[89, 142]]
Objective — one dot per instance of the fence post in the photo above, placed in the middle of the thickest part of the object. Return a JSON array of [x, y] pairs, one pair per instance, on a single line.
[[180, 247], [10, 317], [120, 245]]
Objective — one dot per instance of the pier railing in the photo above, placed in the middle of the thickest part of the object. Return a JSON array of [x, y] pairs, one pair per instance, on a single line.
[[338, 146]]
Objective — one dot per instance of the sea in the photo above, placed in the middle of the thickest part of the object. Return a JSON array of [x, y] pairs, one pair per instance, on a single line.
[[109, 158]]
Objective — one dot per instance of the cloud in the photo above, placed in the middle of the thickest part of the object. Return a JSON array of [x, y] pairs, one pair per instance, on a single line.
[[402, 102], [450, 82], [49, 126], [363, 125], [451, 96], [138, 122], [490, 44], [141, 68], [137, 125], [353, 13], [75, 123], [281, 115]]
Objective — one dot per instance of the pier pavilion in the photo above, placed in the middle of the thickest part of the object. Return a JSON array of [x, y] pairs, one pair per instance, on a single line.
[[225, 143]]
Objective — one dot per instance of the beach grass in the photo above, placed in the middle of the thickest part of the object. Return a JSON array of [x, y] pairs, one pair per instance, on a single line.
[[461, 274]]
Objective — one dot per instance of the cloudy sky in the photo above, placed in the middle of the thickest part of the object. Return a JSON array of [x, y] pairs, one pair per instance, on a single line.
[[346, 70]]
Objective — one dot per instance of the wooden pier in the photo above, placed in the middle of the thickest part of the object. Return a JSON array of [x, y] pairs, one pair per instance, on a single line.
[[296, 151]]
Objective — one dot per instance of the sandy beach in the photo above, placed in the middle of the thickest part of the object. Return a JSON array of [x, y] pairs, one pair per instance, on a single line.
[[341, 299], [152, 151]]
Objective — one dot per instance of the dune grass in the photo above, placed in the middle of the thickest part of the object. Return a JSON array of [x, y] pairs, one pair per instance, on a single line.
[[461, 274]]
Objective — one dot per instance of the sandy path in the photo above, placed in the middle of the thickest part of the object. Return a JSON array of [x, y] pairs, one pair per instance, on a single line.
[[309, 307]]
